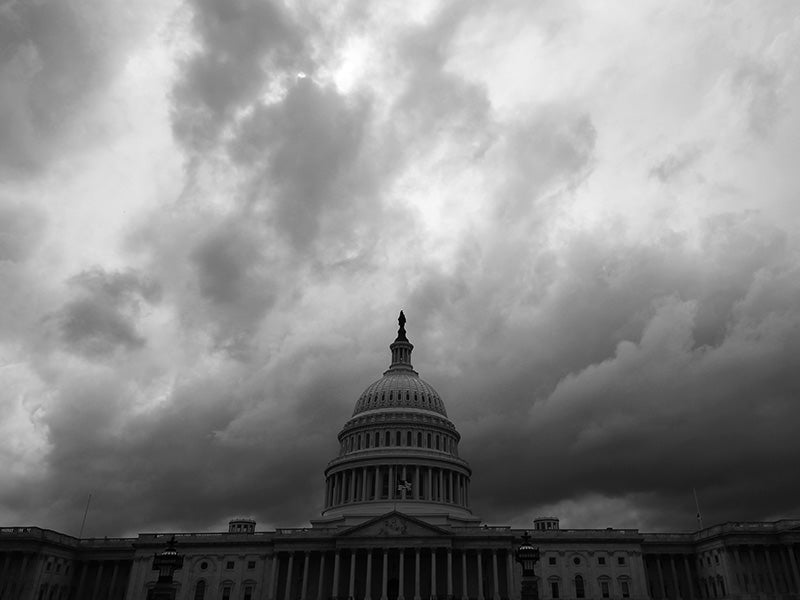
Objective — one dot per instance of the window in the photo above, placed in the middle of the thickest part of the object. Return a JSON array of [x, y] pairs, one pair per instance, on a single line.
[[200, 590], [601, 560], [203, 566], [554, 589], [226, 593], [577, 560], [419, 440], [580, 592], [620, 560], [251, 564], [48, 565], [397, 439], [429, 440], [377, 439], [408, 438], [626, 591], [604, 589], [716, 558], [229, 564], [437, 442], [248, 592], [552, 560]]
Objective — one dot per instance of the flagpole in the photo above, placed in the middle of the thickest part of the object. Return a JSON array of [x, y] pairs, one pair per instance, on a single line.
[[697, 504], [86, 512]]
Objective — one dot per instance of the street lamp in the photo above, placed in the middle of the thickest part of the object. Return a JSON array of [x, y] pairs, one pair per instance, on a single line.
[[166, 563], [528, 555]]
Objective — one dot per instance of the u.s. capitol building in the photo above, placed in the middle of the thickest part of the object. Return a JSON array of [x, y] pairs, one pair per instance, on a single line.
[[397, 525]]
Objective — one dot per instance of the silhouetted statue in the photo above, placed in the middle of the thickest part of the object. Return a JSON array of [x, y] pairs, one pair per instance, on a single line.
[[401, 333]]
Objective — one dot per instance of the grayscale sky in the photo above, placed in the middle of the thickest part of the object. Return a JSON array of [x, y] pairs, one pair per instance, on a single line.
[[212, 212]]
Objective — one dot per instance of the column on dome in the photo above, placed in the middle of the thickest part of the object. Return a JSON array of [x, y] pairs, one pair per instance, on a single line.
[[376, 483], [391, 486], [363, 484], [430, 484], [441, 486], [417, 489], [352, 485], [368, 590]]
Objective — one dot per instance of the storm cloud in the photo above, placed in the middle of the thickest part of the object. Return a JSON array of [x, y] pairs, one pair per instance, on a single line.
[[213, 213]]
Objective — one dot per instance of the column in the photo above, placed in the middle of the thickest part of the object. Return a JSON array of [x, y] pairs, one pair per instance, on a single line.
[[689, 581], [416, 574], [273, 582], [401, 579], [480, 574], [769, 569], [449, 573], [6, 560], [335, 586], [753, 576], [304, 587], [287, 594], [82, 579], [377, 482], [363, 484], [494, 575], [510, 589], [674, 576], [451, 487], [433, 573], [97, 581], [661, 593], [430, 484], [321, 580], [739, 569], [368, 592], [793, 562], [392, 483], [113, 579], [464, 594], [352, 589], [441, 485], [385, 577], [416, 483], [352, 475]]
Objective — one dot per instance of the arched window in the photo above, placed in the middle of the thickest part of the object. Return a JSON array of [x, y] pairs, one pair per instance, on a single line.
[[397, 438], [366, 440], [200, 590], [387, 439], [429, 440], [580, 591], [721, 583], [377, 439], [437, 442], [419, 439], [408, 438], [358, 442]]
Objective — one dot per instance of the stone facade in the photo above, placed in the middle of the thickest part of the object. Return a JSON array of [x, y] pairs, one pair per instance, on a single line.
[[397, 525]]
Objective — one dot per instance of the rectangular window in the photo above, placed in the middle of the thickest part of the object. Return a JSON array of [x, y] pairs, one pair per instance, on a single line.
[[552, 560], [604, 589], [251, 564], [626, 591], [248, 593], [229, 564], [601, 560], [226, 593], [620, 560], [554, 589]]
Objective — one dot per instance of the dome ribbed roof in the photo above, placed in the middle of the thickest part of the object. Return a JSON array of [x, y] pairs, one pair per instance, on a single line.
[[400, 389]]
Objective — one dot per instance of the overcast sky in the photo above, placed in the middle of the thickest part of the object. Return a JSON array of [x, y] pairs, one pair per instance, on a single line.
[[212, 212]]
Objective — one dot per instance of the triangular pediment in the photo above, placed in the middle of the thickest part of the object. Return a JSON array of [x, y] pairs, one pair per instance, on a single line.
[[395, 524]]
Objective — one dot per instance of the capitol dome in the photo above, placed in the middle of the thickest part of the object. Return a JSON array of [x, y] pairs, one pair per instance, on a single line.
[[398, 451]]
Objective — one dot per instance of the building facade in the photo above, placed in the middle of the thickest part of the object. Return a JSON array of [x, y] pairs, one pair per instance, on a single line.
[[397, 525]]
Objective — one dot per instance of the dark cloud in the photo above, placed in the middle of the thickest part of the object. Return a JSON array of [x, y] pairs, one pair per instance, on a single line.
[[243, 46], [102, 316]]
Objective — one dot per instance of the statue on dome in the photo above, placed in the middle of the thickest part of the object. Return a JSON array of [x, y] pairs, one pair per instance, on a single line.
[[401, 333]]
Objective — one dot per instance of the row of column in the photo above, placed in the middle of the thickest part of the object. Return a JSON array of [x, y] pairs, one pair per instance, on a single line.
[[29, 575], [674, 577], [750, 578], [486, 586], [397, 482]]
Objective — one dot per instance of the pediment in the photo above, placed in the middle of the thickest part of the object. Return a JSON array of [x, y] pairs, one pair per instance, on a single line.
[[394, 524]]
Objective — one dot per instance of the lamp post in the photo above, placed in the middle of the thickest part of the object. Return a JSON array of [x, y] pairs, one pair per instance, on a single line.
[[527, 555], [166, 563]]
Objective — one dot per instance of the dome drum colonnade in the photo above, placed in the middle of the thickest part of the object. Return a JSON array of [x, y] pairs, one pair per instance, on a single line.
[[398, 449]]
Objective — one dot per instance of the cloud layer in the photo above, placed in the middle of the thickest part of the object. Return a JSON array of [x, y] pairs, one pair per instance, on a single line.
[[211, 214]]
